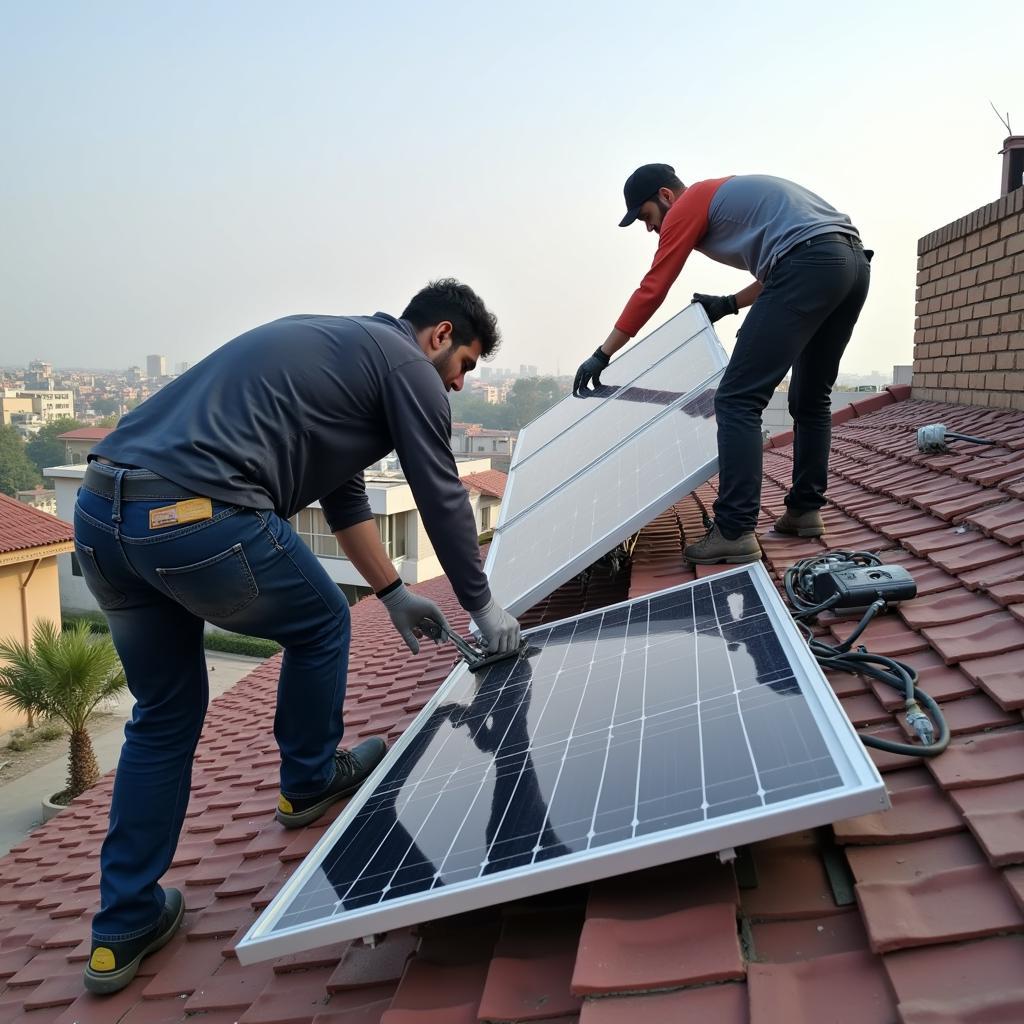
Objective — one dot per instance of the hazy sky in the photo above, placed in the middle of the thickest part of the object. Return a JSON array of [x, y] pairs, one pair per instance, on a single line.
[[175, 173]]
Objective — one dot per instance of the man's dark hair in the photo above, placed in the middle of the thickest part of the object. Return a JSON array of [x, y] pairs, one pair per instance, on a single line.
[[448, 299], [672, 182]]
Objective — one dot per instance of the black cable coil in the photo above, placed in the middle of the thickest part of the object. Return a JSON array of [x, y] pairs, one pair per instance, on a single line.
[[923, 714]]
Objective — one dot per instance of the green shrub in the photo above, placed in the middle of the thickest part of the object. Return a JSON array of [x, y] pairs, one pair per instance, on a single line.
[[235, 643]]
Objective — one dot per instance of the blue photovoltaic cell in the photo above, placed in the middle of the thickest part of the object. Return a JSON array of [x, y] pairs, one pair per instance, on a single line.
[[643, 720]]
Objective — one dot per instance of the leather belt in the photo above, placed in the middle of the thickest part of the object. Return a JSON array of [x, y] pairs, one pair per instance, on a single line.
[[136, 484]]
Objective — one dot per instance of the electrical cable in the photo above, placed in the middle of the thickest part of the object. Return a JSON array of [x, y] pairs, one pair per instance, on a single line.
[[923, 714]]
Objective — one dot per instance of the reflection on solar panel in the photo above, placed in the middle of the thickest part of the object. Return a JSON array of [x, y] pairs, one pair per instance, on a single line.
[[678, 724], [591, 471]]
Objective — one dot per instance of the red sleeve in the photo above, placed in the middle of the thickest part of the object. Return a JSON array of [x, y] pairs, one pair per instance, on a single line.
[[683, 227]]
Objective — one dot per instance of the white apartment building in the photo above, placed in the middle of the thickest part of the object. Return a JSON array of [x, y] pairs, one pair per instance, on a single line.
[[394, 510]]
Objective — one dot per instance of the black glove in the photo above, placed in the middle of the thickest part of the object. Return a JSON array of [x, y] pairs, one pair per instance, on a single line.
[[717, 306], [590, 370]]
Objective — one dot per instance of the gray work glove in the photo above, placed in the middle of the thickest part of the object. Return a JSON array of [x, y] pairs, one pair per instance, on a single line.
[[408, 610], [500, 631], [590, 370], [717, 306]]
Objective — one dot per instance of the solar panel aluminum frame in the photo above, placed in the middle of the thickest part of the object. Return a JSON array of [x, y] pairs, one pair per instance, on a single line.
[[863, 792], [633, 353]]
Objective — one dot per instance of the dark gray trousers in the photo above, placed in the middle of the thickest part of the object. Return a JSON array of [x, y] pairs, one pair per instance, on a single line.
[[802, 320]]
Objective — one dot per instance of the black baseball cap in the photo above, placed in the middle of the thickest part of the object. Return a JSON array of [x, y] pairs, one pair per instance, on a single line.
[[642, 185]]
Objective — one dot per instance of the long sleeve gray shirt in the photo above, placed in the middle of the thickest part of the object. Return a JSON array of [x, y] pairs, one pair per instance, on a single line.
[[294, 411]]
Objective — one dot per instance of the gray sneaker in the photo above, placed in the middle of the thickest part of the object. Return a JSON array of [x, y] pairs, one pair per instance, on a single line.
[[714, 549], [800, 524]]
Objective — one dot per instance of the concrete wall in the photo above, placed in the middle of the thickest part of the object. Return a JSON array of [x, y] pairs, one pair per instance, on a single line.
[[969, 331], [41, 601]]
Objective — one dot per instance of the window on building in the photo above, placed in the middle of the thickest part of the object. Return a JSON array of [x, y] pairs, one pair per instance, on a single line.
[[392, 534], [311, 525]]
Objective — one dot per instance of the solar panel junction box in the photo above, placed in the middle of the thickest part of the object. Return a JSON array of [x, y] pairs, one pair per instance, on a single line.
[[859, 586]]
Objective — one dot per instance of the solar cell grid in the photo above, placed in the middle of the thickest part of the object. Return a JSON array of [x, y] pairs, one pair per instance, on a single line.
[[648, 726]]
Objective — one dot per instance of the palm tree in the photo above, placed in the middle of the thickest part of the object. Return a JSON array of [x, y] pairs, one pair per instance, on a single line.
[[65, 676]]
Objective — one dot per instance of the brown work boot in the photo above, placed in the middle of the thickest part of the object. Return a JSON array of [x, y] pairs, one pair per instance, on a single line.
[[714, 549], [800, 524]]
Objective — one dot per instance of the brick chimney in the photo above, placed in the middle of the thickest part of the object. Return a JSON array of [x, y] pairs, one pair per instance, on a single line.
[[969, 327], [1013, 164]]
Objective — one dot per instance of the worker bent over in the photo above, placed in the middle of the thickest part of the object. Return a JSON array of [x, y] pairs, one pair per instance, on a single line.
[[182, 519]]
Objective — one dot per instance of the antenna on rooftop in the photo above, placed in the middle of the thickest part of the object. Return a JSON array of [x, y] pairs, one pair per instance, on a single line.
[[1005, 120]]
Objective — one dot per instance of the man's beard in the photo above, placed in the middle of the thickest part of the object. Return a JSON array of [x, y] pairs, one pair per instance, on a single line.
[[441, 363]]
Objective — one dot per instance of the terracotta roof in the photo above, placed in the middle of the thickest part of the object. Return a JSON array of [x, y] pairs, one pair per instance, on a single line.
[[85, 434], [916, 914], [490, 481], [22, 527]]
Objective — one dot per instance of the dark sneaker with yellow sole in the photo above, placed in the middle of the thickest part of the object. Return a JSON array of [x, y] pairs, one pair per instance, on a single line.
[[800, 524], [351, 767], [113, 964], [714, 549]]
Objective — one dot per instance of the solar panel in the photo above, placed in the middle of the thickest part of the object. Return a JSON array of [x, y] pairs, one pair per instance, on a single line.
[[678, 724], [640, 357], [591, 471]]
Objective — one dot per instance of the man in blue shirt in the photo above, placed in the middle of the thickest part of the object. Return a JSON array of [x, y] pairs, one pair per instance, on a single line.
[[182, 519]]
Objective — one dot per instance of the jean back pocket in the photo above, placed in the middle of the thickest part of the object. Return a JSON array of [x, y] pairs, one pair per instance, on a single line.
[[215, 588], [108, 597]]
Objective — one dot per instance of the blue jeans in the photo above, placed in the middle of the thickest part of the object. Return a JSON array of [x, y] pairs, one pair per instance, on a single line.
[[244, 570], [803, 319]]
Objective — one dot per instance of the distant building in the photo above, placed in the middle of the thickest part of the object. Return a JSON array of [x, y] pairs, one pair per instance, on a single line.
[[39, 497], [78, 443], [528, 371], [44, 403], [156, 366], [473, 439], [39, 374], [30, 544], [183, 366]]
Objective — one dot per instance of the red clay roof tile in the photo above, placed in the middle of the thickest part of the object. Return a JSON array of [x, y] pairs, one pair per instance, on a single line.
[[945, 607], [721, 1004], [980, 760], [919, 810], [23, 527], [937, 890], [1000, 676], [792, 882], [994, 814], [843, 988], [785, 941], [683, 947], [530, 976], [976, 982], [996, 633]]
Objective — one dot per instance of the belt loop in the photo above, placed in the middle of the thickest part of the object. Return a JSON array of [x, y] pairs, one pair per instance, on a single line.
[[115, 512]]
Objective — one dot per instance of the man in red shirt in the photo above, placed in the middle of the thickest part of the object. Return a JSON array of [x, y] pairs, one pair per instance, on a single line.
[[811, 276]]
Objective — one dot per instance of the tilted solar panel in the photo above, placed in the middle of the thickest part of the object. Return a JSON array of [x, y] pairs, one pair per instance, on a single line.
[[673, 725]]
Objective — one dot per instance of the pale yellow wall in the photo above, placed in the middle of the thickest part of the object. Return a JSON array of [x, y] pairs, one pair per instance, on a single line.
[[42, 601]]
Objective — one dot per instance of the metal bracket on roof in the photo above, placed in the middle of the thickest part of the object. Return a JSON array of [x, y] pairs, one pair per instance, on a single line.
[[727, 856], [373, 941]]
